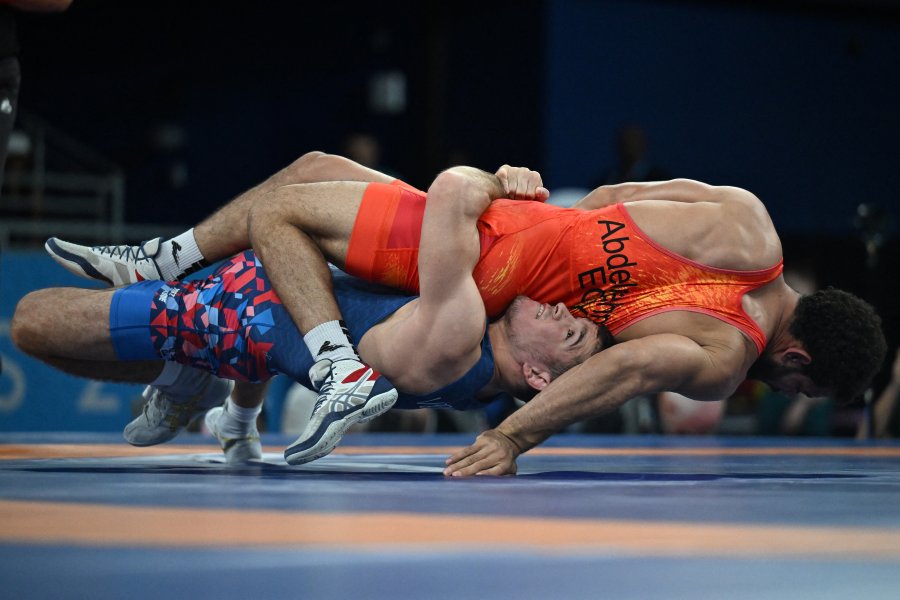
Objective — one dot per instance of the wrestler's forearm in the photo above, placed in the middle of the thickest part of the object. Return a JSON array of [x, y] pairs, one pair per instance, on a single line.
[[591, 389], [599, 385], [656, 363]]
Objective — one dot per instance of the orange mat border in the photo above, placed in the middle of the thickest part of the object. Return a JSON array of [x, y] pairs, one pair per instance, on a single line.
[[43, 451], [107, 525]]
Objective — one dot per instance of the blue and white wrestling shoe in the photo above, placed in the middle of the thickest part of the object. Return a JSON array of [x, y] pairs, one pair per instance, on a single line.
[[115, 265], [240, 441], [349, 393], [166, 414]]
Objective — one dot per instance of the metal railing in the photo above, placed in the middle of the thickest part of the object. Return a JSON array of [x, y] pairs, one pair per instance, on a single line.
[[55, 185]]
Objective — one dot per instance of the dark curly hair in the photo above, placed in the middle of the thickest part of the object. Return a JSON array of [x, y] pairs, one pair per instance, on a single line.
[[843, 336]]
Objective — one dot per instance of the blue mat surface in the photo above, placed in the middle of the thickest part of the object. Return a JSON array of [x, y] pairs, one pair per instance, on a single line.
[[86, 516]]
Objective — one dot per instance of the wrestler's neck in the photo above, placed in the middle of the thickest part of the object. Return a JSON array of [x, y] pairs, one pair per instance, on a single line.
[[780, 337], [506, 368]]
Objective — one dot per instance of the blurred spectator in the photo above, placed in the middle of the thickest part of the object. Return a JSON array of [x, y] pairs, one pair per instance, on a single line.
[[663, 413], [800, 275], [681, 415], [885, 413], [9, 63], [633, 162], [459, 157], [794, 415], [365, 149]]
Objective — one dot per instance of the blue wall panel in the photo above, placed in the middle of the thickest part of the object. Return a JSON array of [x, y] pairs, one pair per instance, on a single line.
[[799, 108]]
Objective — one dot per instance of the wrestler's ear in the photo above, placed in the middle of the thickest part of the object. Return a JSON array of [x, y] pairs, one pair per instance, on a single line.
[[537, 376], [796, 356]]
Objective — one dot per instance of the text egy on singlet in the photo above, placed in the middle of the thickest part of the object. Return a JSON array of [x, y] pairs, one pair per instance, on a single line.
[[605, 286]]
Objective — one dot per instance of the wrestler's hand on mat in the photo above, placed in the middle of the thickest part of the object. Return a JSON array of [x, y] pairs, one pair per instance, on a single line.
[[521, 183], [492, 454]]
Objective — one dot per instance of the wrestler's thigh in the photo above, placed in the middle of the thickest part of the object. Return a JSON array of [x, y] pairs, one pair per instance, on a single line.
[[326, 212], [66, 323]]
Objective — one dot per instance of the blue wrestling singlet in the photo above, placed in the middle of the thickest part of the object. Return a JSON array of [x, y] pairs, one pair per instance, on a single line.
[[234, 325]]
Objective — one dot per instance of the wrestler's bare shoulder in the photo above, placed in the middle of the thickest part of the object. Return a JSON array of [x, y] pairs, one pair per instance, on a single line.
[[736, 233], [417, 363]]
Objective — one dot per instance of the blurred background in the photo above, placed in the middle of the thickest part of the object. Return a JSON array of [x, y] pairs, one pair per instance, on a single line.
[[137, 119]]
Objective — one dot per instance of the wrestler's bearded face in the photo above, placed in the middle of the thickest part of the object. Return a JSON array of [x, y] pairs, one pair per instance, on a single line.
[[787, 379]]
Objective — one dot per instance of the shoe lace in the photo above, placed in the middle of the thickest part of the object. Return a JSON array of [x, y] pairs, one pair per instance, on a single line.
[[159, 411], [155, 410], [124, 252], [324, 392]]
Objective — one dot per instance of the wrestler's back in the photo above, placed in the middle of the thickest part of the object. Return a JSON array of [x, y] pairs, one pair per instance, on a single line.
[[590, 261], [734, 236]]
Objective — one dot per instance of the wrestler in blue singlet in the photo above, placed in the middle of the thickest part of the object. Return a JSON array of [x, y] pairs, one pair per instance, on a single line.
[[234, 325]]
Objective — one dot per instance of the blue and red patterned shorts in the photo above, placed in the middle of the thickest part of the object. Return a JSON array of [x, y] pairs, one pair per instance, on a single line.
[[211, 324]]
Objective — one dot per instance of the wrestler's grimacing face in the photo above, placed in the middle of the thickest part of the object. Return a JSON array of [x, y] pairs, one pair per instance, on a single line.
[[550, 332]]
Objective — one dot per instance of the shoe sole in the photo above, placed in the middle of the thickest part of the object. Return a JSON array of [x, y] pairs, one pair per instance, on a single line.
[[335, 430], [149, 442], [160, 439], [73, 263], [243, 452]]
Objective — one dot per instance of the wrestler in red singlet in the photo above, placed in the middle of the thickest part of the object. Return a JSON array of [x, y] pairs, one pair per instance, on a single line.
[[598, 262]]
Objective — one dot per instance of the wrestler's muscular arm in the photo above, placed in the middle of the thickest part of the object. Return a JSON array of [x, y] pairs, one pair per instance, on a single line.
[[447, 326], [601, 384]]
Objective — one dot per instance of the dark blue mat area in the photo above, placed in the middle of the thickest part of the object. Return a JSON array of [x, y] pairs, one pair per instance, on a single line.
[[115, 573]]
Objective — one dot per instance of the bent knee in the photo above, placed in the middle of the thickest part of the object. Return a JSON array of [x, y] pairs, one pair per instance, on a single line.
[[262, 215], [307, 168], [318, 166], [26, 329]]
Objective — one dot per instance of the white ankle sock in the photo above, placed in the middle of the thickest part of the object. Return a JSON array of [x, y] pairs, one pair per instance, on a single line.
[[244, 415], [236, 421], [179, 256], [330, 340], [180, 380]]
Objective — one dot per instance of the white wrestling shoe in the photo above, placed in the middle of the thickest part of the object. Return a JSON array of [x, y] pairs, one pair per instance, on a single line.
[[115, 265], [165, 415], [349, 393], [240, 447]]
